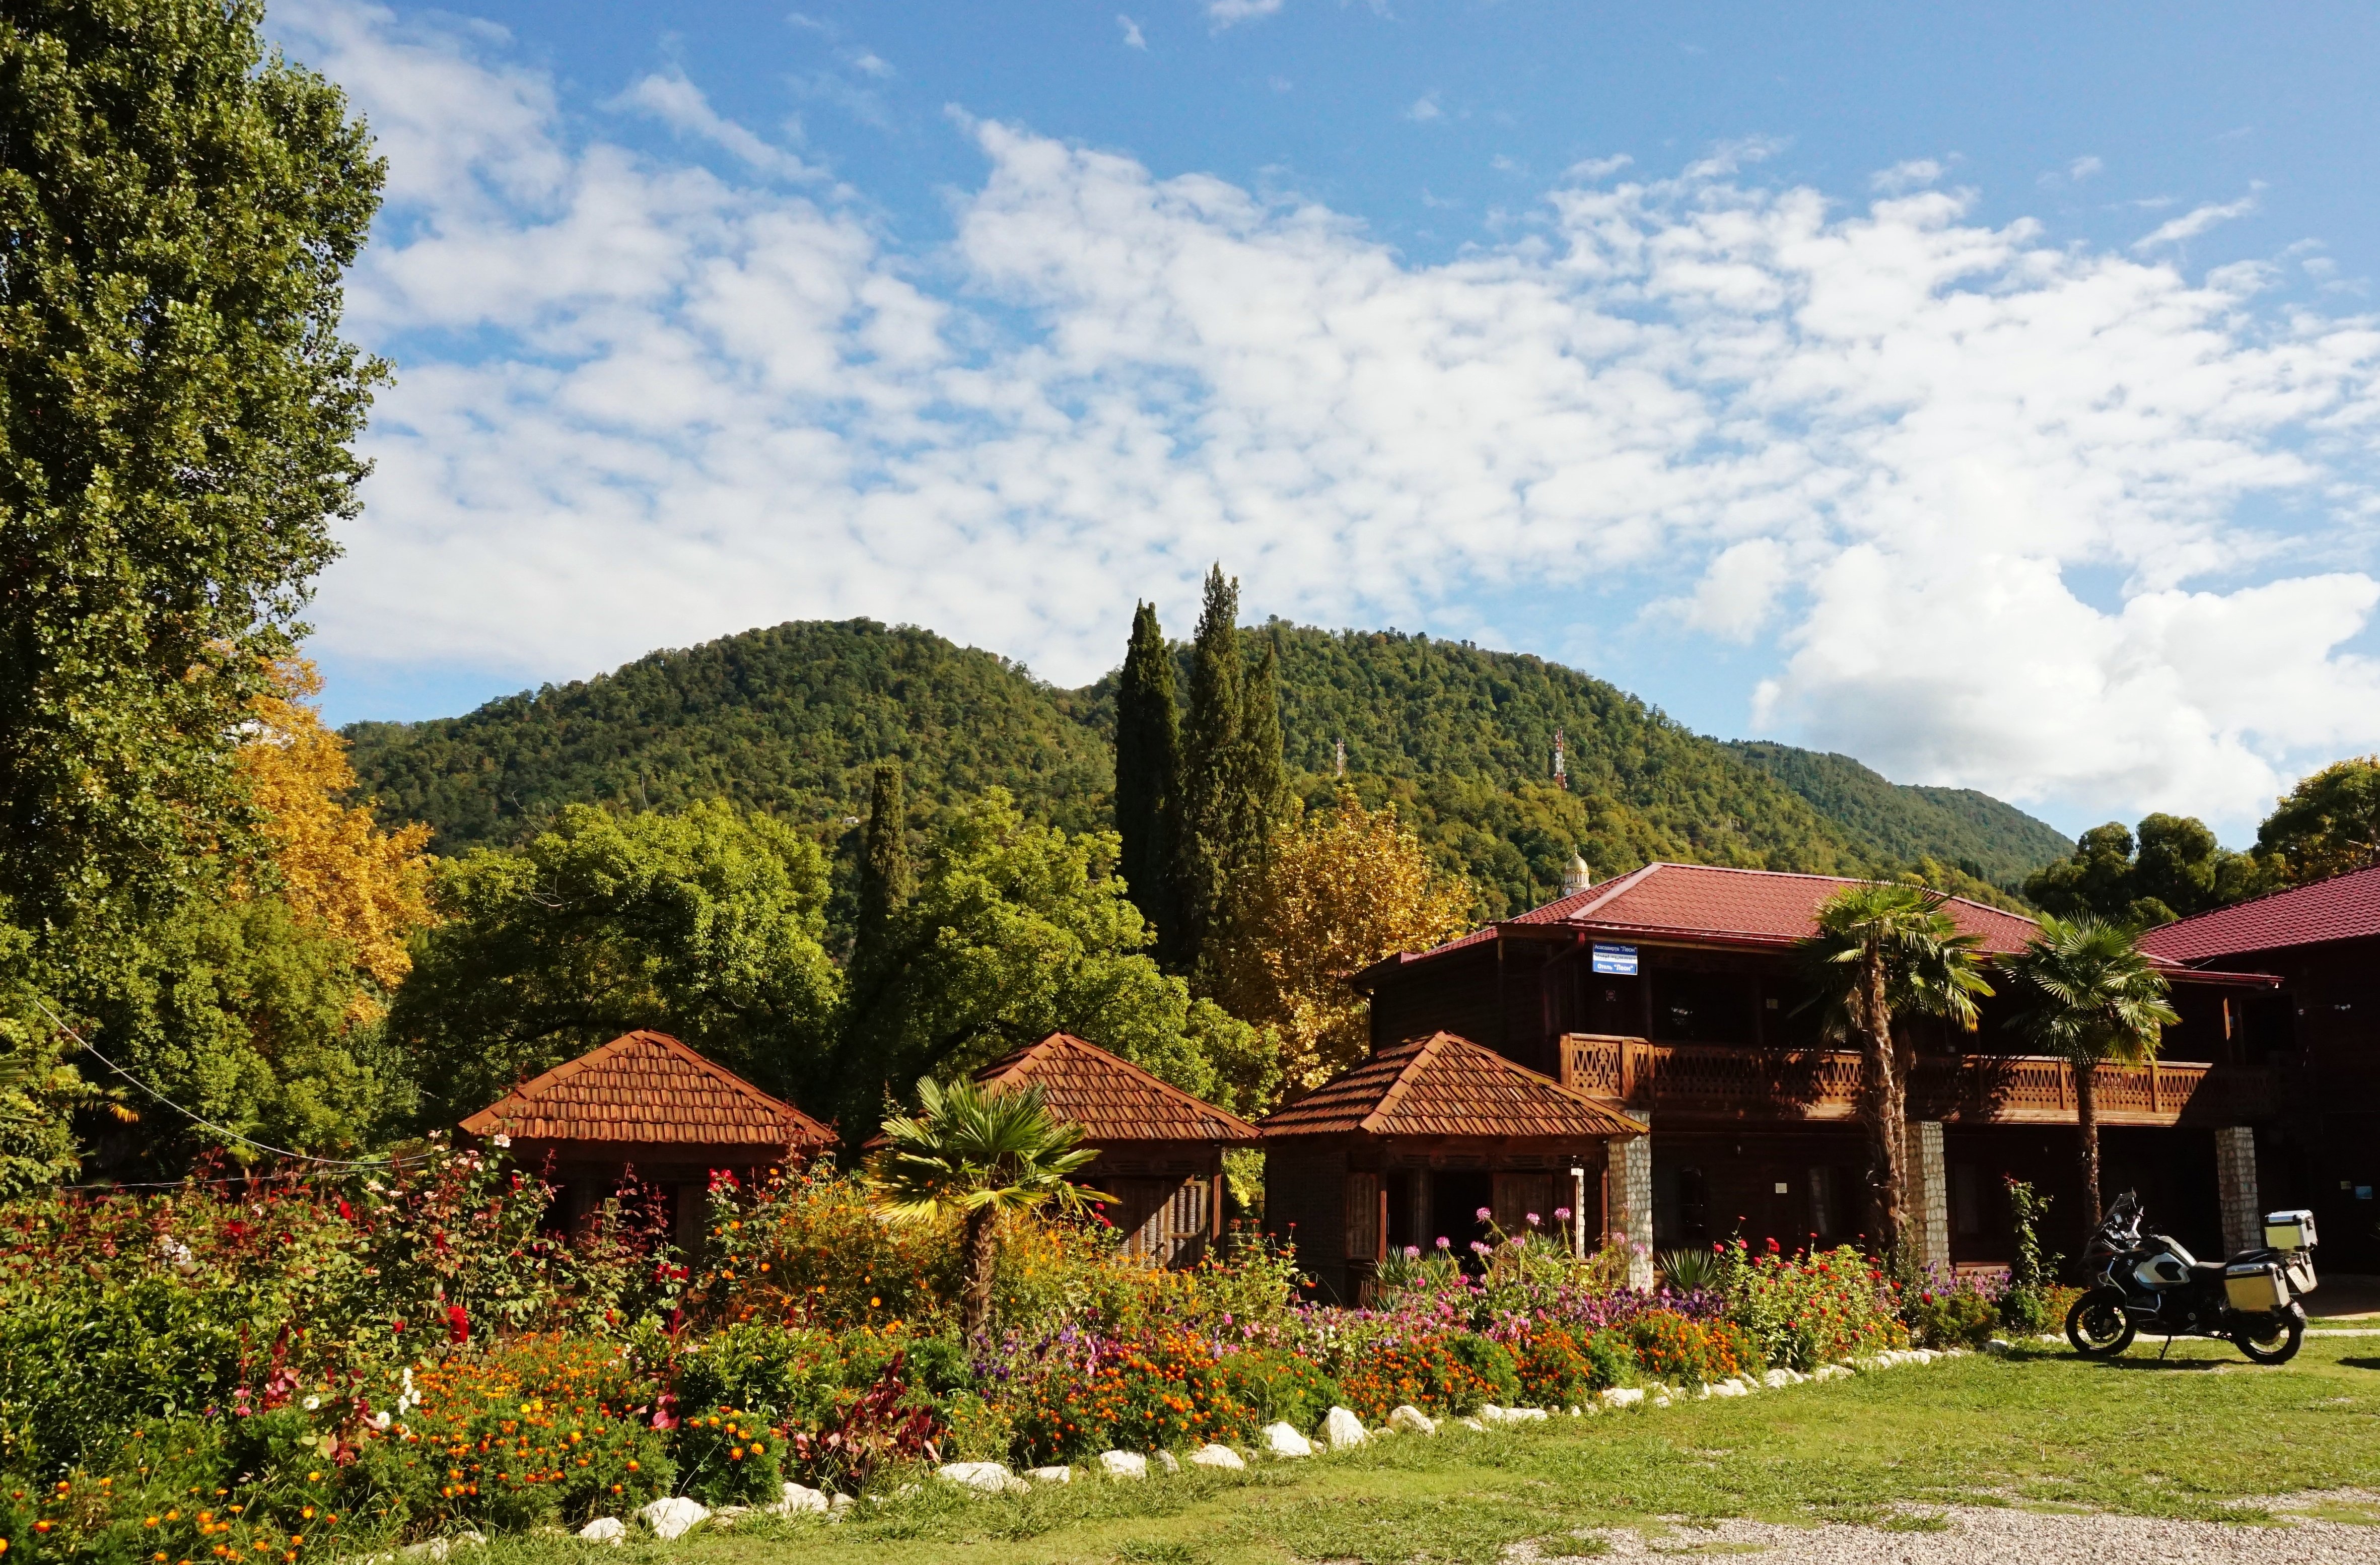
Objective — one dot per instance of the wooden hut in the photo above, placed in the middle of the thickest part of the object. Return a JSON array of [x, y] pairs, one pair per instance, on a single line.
[[1161, 1150], [644, 1104], [1412, 1144]]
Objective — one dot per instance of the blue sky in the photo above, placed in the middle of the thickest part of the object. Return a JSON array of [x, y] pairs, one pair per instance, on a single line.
[[1993, 398]]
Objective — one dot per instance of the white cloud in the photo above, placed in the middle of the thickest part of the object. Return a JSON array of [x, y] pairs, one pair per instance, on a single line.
[[1231, 13], [1424, 109], [680, 104], [1132, 34], [1913, 175], [2084, 167], [1986, 498], [2193, 223]]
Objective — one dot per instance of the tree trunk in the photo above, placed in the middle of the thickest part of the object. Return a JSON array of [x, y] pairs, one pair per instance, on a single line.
[[2086, 1122], [1884, 1103], [981, 1230]]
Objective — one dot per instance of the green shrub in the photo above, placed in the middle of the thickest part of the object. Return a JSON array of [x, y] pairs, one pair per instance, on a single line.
[[789, 1375], [1279, 1387], [1376, 1373], [1490, 1364], [1957, 1314], [1152, 1395], [1670, 1347], [1559, 1365], [1808, 1309], [729, 1456]]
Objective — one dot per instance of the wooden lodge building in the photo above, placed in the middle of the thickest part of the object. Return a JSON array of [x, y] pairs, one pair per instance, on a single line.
[[645, 1105], [1672, 997], [2317, 1037], [1412, 1143], [1161, 1150]]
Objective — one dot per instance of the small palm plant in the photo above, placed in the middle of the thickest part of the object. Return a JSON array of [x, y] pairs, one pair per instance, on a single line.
[[985, 1154], [2096, 1000], [1884, 952]]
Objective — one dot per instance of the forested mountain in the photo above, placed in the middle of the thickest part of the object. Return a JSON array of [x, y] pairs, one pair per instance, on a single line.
[[1988, 839], [791, 719]]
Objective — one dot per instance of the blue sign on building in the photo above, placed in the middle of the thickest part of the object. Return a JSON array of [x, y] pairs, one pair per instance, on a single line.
[[1616, 959]]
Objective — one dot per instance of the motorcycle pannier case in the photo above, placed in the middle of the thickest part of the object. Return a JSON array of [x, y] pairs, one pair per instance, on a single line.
[[2256, 1287], [2288, 1230]]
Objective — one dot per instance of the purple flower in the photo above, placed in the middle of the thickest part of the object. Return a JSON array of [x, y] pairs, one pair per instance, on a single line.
[[1483, 1213], [1562, 1214]]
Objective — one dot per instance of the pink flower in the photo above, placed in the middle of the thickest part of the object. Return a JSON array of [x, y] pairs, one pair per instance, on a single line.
[[1562, 1214], [1533, 1219], [1445, 1243], [1483, 1213]]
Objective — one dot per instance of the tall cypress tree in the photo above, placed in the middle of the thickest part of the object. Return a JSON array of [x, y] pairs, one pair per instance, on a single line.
[[1260, 776], [1147, 763], [1210, 764], [886, 880]]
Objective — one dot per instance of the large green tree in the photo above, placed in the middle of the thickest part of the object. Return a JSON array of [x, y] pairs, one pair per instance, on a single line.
[[2172, 868], [707, 925], [2328, 825], [1147, 772], [1018, 931], [176, 416], [1233, 787], [2095, 1000], [1884, 953]]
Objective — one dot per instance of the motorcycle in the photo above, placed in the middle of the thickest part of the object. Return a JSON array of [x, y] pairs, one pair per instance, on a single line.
[[2145, 1280]]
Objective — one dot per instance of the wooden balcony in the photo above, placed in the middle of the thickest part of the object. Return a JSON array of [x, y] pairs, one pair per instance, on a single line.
[[1716, 1081]]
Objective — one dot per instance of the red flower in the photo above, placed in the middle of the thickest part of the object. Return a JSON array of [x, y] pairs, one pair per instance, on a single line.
[[459, 1324]]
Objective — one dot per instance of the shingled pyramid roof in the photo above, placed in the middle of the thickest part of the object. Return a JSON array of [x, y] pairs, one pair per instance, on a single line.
[[1112, 1099], [647, 1087], [1447, 1085]]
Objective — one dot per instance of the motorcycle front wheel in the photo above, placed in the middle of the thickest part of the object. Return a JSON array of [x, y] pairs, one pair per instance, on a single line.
[[2275, 1338], [2097, 1325]]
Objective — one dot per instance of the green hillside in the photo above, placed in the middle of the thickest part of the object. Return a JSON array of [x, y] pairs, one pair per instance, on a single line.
[[790, 718], [1988, 839]]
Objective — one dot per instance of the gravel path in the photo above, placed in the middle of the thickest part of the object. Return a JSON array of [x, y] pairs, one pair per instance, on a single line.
[[1981, 1535]]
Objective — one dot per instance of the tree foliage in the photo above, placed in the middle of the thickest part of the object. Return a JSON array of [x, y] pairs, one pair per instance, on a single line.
[[176, 410], [1147, 773], [331, 863], [1018, 931], [2175, 868], [707, 925], [1342, 889], [2328, 825]]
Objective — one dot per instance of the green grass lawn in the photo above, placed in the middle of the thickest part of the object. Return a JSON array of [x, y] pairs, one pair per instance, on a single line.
[[2181, 1439]]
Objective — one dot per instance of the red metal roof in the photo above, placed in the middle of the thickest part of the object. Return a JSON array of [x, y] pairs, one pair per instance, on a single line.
[[2344, 907], [647, 1087], [1112, 1099], [1710, 904], [1447, 1085]]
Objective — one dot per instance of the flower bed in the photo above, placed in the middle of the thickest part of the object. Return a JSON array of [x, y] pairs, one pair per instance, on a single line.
[[312, 1363]]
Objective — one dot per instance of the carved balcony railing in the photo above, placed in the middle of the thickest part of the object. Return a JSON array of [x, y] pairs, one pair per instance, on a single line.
[[1724, 1081]]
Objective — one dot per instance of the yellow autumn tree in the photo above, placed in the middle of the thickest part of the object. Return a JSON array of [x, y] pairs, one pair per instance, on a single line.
[[1340, 889], [336, 868]]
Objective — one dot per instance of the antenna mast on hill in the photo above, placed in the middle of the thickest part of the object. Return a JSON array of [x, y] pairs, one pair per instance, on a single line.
[[1561, 777]]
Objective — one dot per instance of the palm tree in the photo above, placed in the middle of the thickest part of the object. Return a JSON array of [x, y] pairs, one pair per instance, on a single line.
[[2096, 999], [983, 1153], [1885, 952]]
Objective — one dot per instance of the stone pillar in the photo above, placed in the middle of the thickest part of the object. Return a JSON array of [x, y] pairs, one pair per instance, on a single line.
[[1929, 1196], [1630, 1165], [2235, 1187]]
